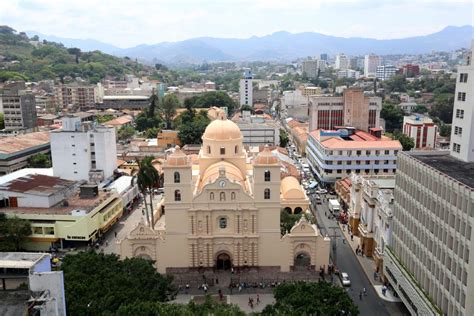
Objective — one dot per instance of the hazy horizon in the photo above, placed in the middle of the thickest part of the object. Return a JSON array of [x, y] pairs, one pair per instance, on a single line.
[[126, 24]]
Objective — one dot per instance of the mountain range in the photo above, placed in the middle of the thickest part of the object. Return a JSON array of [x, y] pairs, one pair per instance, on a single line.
[[283, 46]]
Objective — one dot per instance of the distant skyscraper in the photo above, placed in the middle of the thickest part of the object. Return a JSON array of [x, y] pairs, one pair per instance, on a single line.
[[246, 89], [462, 132], [324, 57], [370, 65], [342, 62]]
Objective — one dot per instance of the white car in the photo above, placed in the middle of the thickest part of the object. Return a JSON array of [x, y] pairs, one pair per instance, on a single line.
[[345, 279], [322, 191]]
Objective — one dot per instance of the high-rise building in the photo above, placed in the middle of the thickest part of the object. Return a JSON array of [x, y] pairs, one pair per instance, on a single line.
[[370, 65], [421, 129], [80, 97], [342, 62], [323, 57], [430, 263], [352, 109], [80, 152], [246, 89], [19, 108], [310, 68], [385, 72], [462, 131]]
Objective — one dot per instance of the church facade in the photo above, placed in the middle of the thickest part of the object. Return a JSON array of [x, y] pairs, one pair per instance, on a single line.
[[222, 211]]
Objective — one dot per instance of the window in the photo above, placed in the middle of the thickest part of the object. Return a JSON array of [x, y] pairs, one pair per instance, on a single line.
[[208, 149], [459, 113], [222, 150], [222, 196], [266, 194], [236, 149], [359, 153], [177, 195], [387, 152], [461, 96], [456, 147], [232, 196], [457, 130], [211, 196], [267, 175], [223, 223], [177, 177], [463, 77]]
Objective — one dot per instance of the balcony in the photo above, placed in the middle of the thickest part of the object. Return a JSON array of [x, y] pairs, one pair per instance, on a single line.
[[364, 232]]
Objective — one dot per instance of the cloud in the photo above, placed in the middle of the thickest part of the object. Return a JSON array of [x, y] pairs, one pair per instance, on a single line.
[[126, 23]]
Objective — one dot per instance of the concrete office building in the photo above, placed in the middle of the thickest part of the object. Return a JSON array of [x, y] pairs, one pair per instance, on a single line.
[[80, 152], [385, 72], [353, 108], [246, 89], [294, 104], [462, 131], [258, 130], [310, 68], [75, 96], [421, 129], [19, 109], [335, 154], [370, 65], [342, 62], [430, 262]]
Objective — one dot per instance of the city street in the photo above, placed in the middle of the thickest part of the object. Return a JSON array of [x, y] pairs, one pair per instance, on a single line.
[[344, 258]]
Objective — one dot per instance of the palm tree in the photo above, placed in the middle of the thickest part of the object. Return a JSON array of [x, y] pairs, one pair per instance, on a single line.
[[147, 178]]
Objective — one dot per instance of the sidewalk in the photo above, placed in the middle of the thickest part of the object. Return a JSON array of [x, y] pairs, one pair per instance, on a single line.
[[368, 265]]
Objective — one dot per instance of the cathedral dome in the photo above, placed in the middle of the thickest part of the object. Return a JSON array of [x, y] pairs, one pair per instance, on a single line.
[[266, 157], [222, 130]]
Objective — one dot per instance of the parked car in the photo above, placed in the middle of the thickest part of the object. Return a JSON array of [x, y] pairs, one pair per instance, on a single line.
[[322, 191], [345, 279]]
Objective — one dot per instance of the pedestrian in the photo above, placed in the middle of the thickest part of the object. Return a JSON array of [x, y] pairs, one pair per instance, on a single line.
[[258, 299], [352, 237], [217, 281], [343, 240], [384, 289], [360, 295], [364, 290], [375, 275], [250, 300], [106, 244], [115, 233]]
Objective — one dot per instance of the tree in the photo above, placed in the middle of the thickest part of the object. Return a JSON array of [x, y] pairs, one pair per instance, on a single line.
[[152, 132], [420, 109], [209, 307], [12, 232], [443, 107], [407, 142], [191, 126], [147, 179], [216, 98], [287, 221], [2, 121], [39, 160], [104, 118], [170, 104], [444, 130], [98, 284], [154, 104], [76, 52], [284, 139], [143, 121], [311, 298], [125, 132], [393, 116]]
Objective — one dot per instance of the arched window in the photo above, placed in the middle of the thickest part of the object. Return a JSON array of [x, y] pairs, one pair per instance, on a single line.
[[267, 175], [222, 196], [222, 150], [223, 223], [298, 210], [266, 194], [211, 196], [177, 195], [177, 177], [232, 196], [288, 210], [208, 149], [236, 149]]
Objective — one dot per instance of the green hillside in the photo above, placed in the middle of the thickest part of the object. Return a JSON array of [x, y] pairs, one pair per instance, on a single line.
[[22, 60]]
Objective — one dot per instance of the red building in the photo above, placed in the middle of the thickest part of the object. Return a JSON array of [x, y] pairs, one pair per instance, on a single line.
[[409, 70]]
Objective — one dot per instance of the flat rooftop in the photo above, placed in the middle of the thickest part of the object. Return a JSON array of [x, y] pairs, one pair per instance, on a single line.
[[333, 139], [38, 184], [22, 260], [443, 162]]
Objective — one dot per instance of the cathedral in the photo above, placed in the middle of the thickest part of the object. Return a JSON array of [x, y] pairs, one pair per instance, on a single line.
[[221, 210]]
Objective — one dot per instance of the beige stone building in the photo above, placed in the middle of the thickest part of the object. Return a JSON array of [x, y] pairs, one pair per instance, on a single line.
[[223, 211]]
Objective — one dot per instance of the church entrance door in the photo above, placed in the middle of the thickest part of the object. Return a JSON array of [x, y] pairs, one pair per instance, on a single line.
[[223, 262]]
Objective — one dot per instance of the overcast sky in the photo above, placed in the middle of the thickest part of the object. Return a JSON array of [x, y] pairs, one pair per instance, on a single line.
[[128, 23]]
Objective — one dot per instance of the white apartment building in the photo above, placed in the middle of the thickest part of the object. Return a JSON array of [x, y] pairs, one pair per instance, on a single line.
[[83, 153], [348, 73], [371, 213], [246, 89], [421, 129], [462, 131], [258, 131], [370, 65], [295, 104], [385, 72], [342, 62], [310, 68], [335, 154], [353, 108], [430, 262]]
